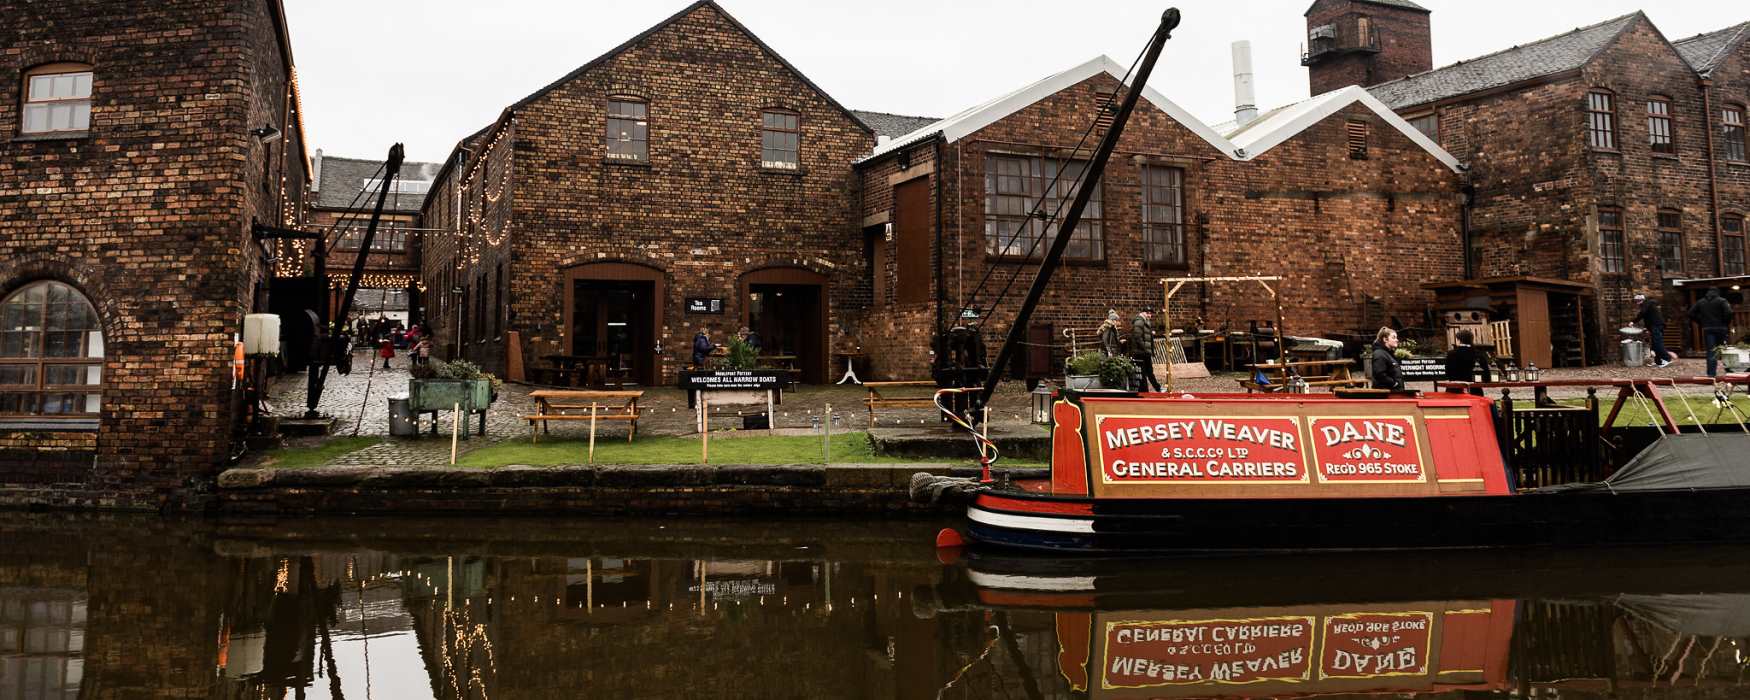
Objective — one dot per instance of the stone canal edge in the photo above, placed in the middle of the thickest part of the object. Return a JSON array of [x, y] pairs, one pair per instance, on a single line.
[[729, 489]]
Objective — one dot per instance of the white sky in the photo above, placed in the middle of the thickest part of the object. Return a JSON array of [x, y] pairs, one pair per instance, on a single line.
[[428, 72]]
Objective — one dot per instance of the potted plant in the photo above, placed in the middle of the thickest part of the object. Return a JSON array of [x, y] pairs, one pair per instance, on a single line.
[[1096, 370], [741, 355]]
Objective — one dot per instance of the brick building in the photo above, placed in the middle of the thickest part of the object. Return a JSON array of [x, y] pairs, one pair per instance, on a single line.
[[343, 195], [1604, 161], [689, 178], [1337, 194], [139, 144]]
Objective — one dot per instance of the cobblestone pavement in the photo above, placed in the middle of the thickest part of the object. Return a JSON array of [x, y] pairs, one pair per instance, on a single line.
[[666, 413]]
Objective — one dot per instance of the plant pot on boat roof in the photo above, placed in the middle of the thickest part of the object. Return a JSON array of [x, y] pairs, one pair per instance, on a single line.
[[1096, 370]]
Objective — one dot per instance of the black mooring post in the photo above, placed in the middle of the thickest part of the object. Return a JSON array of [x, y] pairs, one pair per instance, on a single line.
[[1096, 168]]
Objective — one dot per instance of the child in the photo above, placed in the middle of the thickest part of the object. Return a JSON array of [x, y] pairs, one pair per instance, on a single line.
[[422, 350], [386, 350]]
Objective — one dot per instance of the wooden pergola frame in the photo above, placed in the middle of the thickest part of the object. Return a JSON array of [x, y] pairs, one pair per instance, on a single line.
[[1172, 286]]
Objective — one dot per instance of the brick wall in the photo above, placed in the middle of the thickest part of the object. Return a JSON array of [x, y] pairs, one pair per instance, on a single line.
[[1339, 230], [702, 212], [148, 214], [1405, 44]]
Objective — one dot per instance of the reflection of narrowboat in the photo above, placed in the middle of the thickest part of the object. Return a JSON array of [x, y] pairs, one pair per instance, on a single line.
[[1362, 623]]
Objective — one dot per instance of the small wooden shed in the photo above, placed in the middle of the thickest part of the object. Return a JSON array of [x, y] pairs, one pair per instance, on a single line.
[[1534, 320]]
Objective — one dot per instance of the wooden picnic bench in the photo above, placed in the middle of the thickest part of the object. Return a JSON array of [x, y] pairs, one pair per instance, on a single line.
[[571, 405], [910, 399], [1331, 373]]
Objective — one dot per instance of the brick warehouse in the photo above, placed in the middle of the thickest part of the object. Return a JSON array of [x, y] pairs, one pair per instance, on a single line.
[[139, 142], [1604, 161], [725, 179], [343, 194], [1323, 193]]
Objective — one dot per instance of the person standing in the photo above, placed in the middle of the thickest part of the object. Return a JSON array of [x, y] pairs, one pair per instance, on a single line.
[[702, 348], [1385, 372], [1652, 318], [386, 350], [1111, 342], [422, 350], [1142, 349], [1714, 314], [1464, 358]]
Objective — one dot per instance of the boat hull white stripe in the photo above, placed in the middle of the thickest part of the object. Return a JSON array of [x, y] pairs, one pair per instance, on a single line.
[[1025, 522], [1032, 583]]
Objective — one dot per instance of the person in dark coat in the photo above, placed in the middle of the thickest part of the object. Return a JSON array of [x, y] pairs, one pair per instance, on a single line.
[[1464, 358], [1385, 371], [1142, 349], [1652, 318], [1111, 340], [1714, 314], [702, 348]]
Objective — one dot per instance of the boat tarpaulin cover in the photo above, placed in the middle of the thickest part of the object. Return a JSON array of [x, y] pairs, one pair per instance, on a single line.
[[1678, 462], [1708, 615]]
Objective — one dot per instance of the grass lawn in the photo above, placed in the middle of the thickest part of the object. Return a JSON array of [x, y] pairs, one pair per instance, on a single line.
[[318, 455], [806, 449], [1634, 414]]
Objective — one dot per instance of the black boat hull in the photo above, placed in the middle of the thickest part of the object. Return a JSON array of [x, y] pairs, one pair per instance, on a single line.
[[1037, 522]]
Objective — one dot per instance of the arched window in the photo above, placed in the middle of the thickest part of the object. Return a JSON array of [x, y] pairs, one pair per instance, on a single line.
[[57, 98], [51, 353]]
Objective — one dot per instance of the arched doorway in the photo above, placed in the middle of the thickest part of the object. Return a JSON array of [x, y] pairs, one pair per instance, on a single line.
[[788, 307], [613, 314]]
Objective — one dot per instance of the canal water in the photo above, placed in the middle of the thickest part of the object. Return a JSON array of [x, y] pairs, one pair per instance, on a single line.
[[140, 607]]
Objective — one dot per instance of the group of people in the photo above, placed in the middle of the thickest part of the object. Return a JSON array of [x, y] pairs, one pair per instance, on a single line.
[[1136, 342], [418, 342], [1463, 361], [704, 348], [1712, 313]]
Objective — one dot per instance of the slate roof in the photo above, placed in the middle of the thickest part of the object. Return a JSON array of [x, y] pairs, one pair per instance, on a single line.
[[1545, 57], [892, 125], [1705, 51], [342, 179], [1406, 4]]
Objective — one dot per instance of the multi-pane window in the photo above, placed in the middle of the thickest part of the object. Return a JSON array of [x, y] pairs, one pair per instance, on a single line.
[[1610, 245], [1732, 123], [1732, 244], [628, 131], [1429, 125], [1013, 185], [1163, 216], [57, 97], [1659, 126], [1601, 120], [1671, 243], [391, 238], [51, 353], [780, 140]]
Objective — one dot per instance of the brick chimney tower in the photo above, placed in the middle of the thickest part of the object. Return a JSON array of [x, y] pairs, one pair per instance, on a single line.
[[1365, 42]]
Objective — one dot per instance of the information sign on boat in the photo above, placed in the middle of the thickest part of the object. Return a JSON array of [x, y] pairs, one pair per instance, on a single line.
[[1190, 449], [1361, 450]]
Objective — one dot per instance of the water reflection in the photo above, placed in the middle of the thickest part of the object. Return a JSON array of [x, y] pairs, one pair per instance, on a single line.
[[108, 607]]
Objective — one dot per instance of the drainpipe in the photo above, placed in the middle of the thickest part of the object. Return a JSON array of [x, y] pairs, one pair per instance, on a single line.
[[1464, 218], [941, 278], [1713, 190]]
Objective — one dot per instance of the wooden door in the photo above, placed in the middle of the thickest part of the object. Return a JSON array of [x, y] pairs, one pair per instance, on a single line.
[[1533, 342], [911, 233]]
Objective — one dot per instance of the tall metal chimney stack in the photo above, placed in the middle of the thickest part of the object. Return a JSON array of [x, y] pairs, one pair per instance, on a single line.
[[1245, 102]]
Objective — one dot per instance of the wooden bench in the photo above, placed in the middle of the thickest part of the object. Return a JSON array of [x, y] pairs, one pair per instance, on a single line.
[[561, 405], [877, 401]]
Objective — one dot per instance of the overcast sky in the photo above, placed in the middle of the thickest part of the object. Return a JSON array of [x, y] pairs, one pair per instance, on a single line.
[[428, 72]]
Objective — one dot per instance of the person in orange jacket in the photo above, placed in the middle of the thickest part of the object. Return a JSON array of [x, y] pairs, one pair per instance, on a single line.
[[386, 350]]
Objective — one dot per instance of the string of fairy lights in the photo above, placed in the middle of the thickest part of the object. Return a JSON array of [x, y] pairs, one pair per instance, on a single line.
[[485, 217]]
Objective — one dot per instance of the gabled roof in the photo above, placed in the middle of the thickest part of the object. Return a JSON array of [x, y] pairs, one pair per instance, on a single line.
[[892, 125], [1705, 51], [344, 180], [689, 9], [1283, 123], [972, 119], [1560, 53]]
